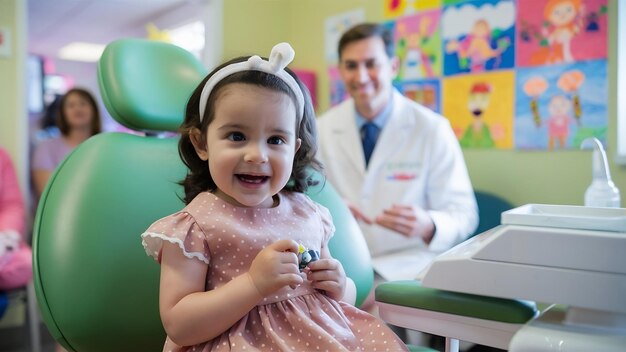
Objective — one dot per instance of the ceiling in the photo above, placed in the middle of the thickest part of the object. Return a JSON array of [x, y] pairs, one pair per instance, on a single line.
[[53, 24]]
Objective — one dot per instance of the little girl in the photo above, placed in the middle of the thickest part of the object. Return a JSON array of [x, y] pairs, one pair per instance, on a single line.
[[230, 277]]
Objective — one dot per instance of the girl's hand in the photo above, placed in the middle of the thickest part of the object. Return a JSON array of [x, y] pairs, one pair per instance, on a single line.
[[327, 274], [275, 267]]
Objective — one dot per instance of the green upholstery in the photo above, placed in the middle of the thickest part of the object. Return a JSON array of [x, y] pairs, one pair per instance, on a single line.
[[490, 208], [138, 99], [96, 287], [411, 294], [348, 245]]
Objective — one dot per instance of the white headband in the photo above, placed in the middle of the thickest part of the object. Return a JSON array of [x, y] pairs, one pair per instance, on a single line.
[[282, 54]]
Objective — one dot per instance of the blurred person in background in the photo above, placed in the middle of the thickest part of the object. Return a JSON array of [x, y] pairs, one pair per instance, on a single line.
[[78, 119]]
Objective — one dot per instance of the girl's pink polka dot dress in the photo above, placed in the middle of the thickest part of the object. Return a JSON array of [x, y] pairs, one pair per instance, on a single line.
[[227, 238]]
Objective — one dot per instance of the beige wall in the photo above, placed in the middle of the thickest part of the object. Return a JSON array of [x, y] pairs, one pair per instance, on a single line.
[[13, 116], [255, 26], [522, 177]]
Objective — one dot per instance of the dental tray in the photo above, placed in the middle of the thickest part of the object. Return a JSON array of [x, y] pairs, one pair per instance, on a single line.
[[567, 216]]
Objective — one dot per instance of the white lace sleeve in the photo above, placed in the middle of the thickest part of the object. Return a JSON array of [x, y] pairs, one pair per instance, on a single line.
[[180, 229]]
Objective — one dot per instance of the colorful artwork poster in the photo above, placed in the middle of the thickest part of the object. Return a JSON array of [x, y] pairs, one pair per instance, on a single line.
[[390, 25], [335, 26], [425, 92], [397, 8], [309, 79], [558, 106], [418, 46], [480, 108], [478, 36], [421, 5], [453, 2], [338, 91], [561, 31]]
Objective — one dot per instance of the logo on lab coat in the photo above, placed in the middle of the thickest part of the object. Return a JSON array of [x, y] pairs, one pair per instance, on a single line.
[[402, 171]]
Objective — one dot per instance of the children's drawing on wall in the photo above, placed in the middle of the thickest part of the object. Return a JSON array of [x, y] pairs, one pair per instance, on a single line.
[[397, 8], [418, 46], [477, 133], [478, 36], [570, 83], [562, 31], [559, 106], [479, 108], [334, 27], [425, 92], [309, 79], [534, 88], [338, 91]]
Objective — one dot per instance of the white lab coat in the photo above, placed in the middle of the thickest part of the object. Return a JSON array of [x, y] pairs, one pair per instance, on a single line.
[[417, 160]]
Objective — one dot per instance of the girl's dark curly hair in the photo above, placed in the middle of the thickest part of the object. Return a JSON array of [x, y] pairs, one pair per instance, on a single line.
[[199, 178]]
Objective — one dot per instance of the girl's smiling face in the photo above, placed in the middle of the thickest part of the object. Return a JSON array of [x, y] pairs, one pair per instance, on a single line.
[[250, 144]]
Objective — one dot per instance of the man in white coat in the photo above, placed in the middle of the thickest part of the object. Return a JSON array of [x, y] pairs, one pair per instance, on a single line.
[[413, 197]]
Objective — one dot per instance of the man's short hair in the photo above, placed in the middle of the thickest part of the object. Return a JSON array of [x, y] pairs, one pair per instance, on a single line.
[[364, 31]]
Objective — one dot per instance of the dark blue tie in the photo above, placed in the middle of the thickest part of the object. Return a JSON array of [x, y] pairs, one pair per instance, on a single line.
[[369, 134]]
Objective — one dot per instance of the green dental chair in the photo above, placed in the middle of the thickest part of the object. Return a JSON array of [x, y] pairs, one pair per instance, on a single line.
[[96, 287]]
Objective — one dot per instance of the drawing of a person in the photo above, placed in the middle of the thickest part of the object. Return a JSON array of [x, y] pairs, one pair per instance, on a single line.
[[564, 19], [476, 48], [416, 63], [558, 123], [477, 134], [413, 59]]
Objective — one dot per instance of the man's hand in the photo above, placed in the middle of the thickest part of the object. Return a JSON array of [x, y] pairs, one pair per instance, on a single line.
[[408, 220], [358, 214]]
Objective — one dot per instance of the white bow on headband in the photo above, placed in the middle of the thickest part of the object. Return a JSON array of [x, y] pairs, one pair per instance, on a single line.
[[282, 54]]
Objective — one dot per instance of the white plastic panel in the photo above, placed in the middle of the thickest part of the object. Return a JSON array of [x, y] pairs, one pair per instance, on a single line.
[[581, 285], [567, 216]]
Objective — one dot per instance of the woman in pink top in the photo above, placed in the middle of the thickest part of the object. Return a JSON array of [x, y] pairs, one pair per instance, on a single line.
[[15, 255], [78, 119], [12, 213], [245, 266]]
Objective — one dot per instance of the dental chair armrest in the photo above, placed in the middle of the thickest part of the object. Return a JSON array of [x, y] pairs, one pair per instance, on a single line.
[[411, 293]]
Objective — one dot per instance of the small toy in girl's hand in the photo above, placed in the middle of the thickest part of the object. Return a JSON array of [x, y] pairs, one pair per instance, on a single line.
[[308, 257]]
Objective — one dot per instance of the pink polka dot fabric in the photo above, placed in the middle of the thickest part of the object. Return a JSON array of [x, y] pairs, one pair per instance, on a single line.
[[227, 239]]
